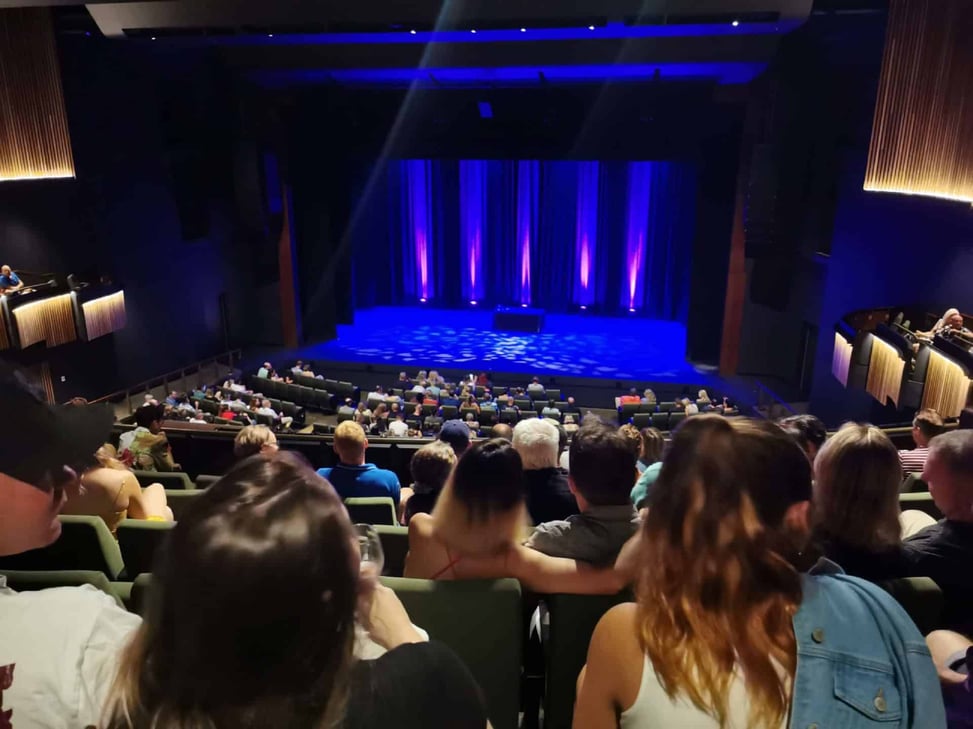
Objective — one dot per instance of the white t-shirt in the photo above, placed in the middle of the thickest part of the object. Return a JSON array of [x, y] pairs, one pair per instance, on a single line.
[[398, 428], [62, 645]]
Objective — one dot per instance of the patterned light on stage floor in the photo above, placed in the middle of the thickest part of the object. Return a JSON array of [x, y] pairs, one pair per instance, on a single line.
[[922, 135]]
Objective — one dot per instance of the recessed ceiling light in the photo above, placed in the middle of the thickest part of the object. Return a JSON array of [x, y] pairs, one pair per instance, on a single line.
[[523, 30], [736, 23], [153, 37], [270, 35], [473, 30], [413, 31], [591, 27]]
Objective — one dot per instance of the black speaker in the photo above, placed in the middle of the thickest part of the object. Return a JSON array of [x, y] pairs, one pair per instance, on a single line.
[[771, 281]]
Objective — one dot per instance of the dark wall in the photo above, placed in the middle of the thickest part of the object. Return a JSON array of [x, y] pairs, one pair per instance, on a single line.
[[152, 206]]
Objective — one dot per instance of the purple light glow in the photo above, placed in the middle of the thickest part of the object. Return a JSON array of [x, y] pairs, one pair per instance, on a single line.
[[418, 176], [472, 196], [637, 232], [586, 231], [527, 184]]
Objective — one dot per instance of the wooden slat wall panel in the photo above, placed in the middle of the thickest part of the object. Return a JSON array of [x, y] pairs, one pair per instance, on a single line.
[[946, 386], [50, 320], [922, 135], [104, 315], [841, 360], [34, 138], [885, 371]]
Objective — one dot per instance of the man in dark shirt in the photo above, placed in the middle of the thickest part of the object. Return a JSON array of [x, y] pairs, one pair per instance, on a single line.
[[549, 496], [944, 551]]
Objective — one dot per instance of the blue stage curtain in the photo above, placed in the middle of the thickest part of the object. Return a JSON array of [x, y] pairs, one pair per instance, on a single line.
[[610, 236]]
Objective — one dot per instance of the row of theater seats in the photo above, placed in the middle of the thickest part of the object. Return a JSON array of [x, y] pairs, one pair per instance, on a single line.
[[308, 392], [483, 621]]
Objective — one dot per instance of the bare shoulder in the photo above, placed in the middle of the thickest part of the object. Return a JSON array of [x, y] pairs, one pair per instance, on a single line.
[[617, 632], [420, 527]]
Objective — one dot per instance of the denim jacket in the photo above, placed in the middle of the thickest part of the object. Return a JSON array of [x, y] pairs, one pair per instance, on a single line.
[[861, 661]]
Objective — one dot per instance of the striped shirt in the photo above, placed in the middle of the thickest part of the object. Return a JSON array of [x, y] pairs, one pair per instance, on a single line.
[[913, 461]]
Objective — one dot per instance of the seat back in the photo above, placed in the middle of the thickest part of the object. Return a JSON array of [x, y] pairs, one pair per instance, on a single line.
[[509, 416], [643, 420], [450, 412], [25, 581], [661, 420], [371, 510], [627, 412], [572, 621], [204, 481], [553, 394], [666, 407], [920, 597], [921, 501], [913, 483], [524, 404], [395, 546], [85, 544], [170, 481], [428, 410], [482, 621], [179, 501], [139, 596], [140, 540], [675, 419]]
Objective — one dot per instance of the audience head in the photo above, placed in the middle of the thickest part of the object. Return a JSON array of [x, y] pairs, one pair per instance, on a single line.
[[253, 620], [925, 426], [570, 401], [857, 475], [431, 466], [254, 439], [718, 587], [481, 509], [150, 416], [808, 431], [633, 392], [403, 377], [602, 466], [35, 457], [456, 433], [652, 446], [5, 270], [350, 443], [503, 430], [949, 473], [536, 440], [953, 319], [633, 437], [703, 396], [649, 395]]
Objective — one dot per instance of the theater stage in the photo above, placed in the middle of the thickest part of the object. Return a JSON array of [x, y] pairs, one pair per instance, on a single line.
[[570, 345]]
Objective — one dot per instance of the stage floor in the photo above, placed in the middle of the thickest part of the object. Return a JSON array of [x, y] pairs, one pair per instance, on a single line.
[[569, 345]]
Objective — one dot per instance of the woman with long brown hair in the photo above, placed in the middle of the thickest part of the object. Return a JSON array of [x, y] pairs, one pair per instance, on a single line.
[[252, 620], [727, 631]]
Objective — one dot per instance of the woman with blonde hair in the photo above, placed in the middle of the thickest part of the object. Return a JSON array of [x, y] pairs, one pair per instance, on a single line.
[[727, 631], [111, 491], [856, 517], [652, 445]]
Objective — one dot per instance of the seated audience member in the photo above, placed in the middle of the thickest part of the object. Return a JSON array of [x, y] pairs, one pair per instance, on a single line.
[[549, 497], [380, 419], [448, 397], [807, 430], [510, 405], [198, 418], [649, 398], [855, 510], [470, 403], [363, 415], [376, 396], [173, 399], [58, 647], [265, 409], [109, 490], [473, 425], [571, 423], [477, 527], [550, 411], [727, 630], [703, 401], [429, 398], [535, 386], [146, 448], [651, 445], [571, 407], [254, 439], [347, 407], [503, 430], [951, 321], [482, 380], [430, 467], [270, 640], [225, 413], [9, 281], [690, 407], [457, 435], [298, 368], [397, 426], [944, 551], [264, 371], [632, 398], [352, 477], [602, 464], [925, 426], [633, 437], [404, 382]]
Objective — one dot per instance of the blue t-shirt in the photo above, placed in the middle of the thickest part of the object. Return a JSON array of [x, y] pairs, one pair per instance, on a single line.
[[10, 281], [353, 482]]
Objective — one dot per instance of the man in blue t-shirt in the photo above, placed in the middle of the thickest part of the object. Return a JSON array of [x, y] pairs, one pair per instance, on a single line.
[[9, 281], [352, 477]]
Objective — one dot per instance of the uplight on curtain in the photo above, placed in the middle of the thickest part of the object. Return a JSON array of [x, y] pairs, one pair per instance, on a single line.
[[528, 172], [586, 233], [885, 370], [472, 221], [418, 232]]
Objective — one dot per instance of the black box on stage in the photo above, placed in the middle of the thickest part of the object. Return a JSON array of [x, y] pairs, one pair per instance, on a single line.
[[514, 319]]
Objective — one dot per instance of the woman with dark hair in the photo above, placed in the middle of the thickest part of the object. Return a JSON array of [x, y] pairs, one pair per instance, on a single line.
[[252, 622], [727, 631]]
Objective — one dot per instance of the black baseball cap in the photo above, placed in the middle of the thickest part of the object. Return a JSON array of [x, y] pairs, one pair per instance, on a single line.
[[37, 439]]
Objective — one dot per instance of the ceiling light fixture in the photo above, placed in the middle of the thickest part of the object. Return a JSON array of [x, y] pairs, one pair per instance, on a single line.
[[473, 31], [591, 27], [735, 23], [412, 32]]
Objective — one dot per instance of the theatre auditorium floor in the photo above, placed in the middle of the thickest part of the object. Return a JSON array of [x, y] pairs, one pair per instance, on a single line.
[[616, 348]]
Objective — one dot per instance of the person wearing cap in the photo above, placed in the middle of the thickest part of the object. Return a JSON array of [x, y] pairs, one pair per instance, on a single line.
[[352, 477], [58, 647], [457, 434]]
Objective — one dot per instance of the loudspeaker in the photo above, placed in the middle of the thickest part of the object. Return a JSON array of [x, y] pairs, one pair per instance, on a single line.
[[771, 281]]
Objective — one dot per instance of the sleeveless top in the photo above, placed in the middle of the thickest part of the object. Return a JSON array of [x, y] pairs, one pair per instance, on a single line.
[[653, 708]]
